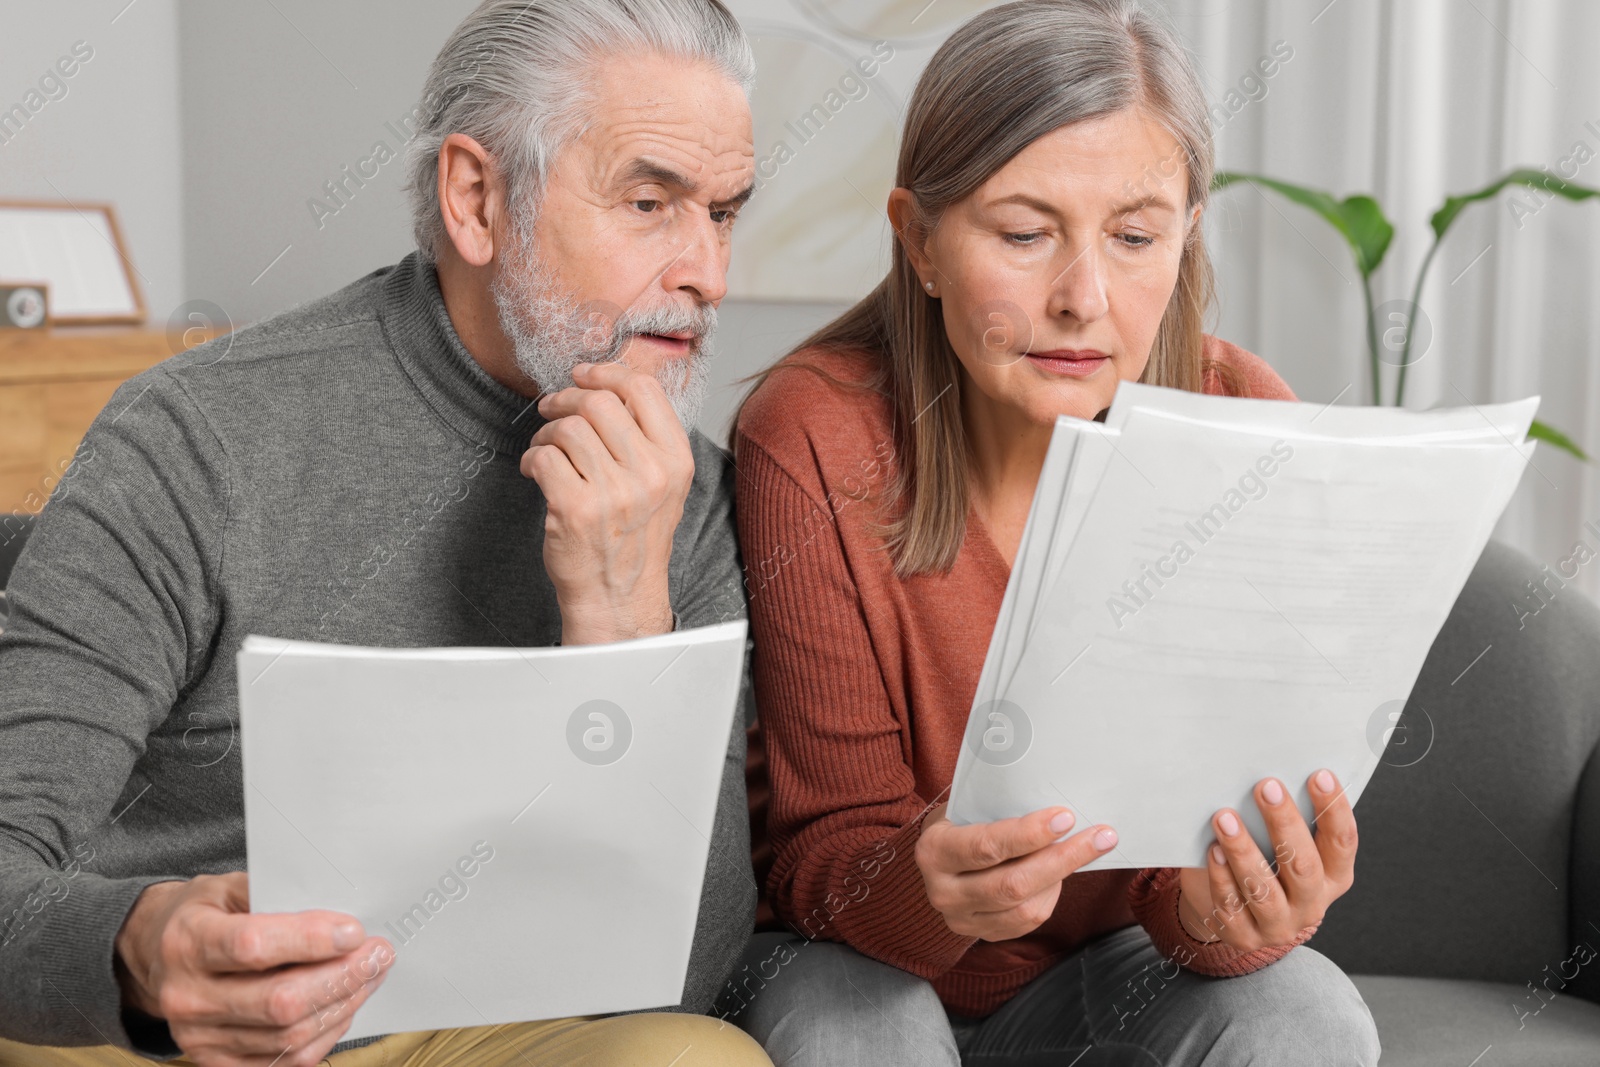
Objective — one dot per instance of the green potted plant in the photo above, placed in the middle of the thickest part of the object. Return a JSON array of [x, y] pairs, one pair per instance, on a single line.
[[1368, 232]]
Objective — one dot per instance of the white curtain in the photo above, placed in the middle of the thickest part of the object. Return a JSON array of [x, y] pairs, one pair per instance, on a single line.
[[1411, 101]]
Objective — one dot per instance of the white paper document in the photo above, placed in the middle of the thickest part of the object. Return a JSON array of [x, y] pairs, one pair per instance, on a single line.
[[528, 827], [1213, 590]]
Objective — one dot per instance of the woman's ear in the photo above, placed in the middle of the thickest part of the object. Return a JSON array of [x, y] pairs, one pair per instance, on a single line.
[[903, 217]]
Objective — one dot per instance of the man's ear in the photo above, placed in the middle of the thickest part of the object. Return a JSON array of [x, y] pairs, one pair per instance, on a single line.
[[903, 216], [470, 198]]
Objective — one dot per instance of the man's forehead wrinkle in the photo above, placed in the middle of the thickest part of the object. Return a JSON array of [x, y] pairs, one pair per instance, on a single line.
[[680, 132], [723, 174]]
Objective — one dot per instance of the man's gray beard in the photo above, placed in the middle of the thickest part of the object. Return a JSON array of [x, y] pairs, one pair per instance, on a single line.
[[552, 332]]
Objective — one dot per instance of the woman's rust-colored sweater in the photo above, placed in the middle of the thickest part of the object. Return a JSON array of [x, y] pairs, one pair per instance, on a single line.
[[864, 681]]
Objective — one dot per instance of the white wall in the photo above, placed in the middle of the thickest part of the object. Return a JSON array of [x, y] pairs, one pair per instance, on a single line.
[[278, 99], [114, 134]]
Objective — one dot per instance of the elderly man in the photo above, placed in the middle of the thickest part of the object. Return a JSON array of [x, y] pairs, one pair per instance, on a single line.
[[488, 443]]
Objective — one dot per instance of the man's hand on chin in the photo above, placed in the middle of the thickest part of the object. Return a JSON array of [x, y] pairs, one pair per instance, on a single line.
[[615, 466]]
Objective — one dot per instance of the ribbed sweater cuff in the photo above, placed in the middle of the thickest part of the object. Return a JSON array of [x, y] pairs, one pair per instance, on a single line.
[[78, 980], [893, 920], [905, 919], [1154, 899]]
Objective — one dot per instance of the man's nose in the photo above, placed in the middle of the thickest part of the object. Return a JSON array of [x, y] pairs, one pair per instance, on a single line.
[[699, 263]]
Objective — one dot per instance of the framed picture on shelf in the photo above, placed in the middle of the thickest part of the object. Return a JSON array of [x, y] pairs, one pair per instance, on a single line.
[[78, 251]]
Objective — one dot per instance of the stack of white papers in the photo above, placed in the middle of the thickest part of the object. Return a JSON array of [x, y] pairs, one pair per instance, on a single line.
[[1213, 590], [528, 827]]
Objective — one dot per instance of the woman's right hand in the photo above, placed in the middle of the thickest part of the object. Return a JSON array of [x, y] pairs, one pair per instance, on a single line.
[[999, 880]]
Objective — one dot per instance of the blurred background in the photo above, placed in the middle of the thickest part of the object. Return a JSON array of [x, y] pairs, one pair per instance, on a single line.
[[240, 146]]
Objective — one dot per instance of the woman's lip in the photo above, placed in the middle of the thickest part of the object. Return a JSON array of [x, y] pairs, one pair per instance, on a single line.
[[1071, 353], [1074, 365]]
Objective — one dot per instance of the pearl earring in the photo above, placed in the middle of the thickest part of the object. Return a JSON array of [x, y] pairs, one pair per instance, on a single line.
[[928, 286]]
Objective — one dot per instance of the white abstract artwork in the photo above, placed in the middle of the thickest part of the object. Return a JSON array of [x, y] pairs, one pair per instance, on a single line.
[[832, 83]]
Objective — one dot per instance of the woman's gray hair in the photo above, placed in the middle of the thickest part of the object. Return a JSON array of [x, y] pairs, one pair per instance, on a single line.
[[516, 76], [1019, 71], [1007, 77]]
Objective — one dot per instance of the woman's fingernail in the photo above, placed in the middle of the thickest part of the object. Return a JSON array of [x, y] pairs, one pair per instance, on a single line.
[[1325, 781], [1229, 824], [1105, 839], [1217, 855], [1272, 791], [1063, 822]]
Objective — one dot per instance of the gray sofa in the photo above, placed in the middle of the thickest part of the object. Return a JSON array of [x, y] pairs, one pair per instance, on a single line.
[[1478, 881], [1473, 928], [14, 531]]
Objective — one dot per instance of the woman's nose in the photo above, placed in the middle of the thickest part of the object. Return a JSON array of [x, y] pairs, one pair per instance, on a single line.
[[1079, 289]]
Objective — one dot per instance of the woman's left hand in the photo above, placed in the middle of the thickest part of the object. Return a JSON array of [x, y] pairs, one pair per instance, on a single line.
[[1238, 900]]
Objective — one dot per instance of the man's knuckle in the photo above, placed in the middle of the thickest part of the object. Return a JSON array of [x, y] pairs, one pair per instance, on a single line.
[[564, 433], [306, 1056], [642, 503], [654, 480], [285, 1005], [643, 385], [177, 1002], [244, 946], [313, 1026], [176, 939]]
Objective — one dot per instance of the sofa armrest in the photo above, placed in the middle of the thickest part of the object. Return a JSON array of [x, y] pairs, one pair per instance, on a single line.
[[1585, 896], [14, 530]]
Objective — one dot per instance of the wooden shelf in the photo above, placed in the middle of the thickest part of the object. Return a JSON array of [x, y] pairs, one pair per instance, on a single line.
[[52, 385]]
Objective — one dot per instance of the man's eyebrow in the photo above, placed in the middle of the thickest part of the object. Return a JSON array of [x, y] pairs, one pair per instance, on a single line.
[[652, 171], [736, 202]]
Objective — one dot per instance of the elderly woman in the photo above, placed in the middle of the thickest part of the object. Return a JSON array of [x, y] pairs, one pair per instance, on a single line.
[[1052, 176]]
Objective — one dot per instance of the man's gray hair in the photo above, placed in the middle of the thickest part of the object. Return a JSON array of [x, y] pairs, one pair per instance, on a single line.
[[516, 76]]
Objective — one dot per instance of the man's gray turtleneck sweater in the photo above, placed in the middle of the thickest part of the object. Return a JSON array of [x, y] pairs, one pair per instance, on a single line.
[[343, 472]]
